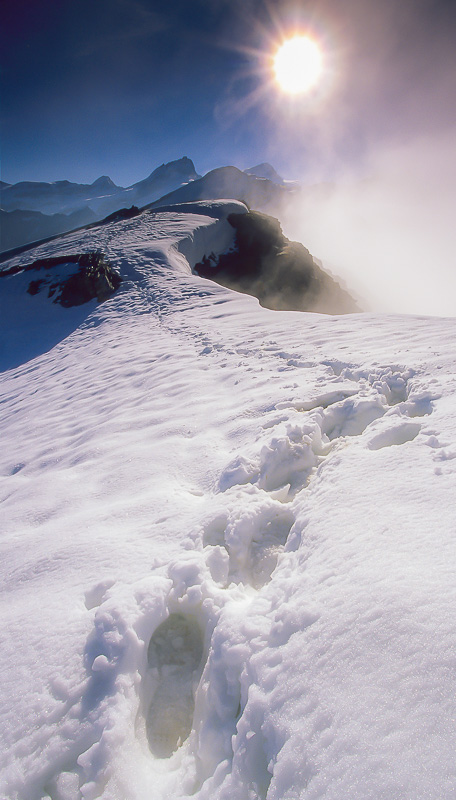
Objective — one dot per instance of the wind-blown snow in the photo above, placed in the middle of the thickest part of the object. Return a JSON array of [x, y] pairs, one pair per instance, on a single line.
[[227, 538]]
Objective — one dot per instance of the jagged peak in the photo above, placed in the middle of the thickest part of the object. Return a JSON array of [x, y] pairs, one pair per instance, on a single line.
[[104, 181], [183, 164], [265, 170]]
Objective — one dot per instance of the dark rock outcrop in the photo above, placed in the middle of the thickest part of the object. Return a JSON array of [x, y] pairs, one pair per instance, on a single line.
[[95, 279], [281, 274], [122, 213], [92, 278]]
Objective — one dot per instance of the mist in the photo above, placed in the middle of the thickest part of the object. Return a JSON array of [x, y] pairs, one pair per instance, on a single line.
[[377, 157], [391, 236]]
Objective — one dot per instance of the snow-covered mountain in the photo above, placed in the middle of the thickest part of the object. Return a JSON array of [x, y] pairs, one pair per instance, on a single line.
[[267, 171], [63, 197], [228, 552], [102, 196], [174, 182], [162, 180], [229, 182]]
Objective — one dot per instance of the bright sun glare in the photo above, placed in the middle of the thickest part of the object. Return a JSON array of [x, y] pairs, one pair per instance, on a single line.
[[298, 65]]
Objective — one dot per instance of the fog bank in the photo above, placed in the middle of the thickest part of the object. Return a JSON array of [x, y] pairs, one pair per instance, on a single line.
[[390, 236]]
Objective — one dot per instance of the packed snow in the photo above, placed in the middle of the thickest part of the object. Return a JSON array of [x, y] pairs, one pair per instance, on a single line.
[[228, 538]]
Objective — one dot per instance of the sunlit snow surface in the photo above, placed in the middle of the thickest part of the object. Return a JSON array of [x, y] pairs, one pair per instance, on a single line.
[[227, 539]]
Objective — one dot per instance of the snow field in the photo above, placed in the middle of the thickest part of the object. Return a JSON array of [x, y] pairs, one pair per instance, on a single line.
[[228, 545], [236, 734]]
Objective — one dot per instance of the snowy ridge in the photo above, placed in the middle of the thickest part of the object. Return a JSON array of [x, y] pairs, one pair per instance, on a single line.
[[228, 550], [23, 204]]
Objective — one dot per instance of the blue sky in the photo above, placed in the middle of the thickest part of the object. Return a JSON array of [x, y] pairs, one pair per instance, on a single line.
[[118, 87]]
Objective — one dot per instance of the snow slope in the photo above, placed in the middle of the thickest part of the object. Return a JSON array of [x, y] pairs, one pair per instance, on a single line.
[[227, 544]]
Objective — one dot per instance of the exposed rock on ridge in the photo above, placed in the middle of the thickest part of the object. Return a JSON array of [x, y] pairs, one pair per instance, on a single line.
[[82, 277], [281, 274]]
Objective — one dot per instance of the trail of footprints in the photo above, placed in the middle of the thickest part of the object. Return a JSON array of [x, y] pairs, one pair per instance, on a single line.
[[255, 540], [242, 547]]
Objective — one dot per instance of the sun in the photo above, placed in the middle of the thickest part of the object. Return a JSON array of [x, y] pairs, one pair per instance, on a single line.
[[298, 65]]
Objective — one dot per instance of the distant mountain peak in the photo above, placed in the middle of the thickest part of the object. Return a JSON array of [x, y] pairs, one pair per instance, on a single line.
[[265, 170], [165, 178], [182, 165], [104, 182], [229, 183]]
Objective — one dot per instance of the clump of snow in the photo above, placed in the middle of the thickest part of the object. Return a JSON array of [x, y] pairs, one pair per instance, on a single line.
[[227, 541]]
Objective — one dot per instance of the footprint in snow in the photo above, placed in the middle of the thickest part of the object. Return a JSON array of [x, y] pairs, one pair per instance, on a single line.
[[253, 540], [175, 657], [399, 432], [267, 545], [377, 393]]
